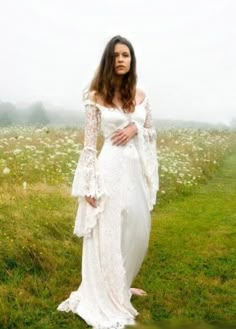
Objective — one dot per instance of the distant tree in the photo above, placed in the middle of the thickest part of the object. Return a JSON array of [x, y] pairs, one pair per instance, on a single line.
[[5, 120], [233, 123], [8, 114], [38, 115]]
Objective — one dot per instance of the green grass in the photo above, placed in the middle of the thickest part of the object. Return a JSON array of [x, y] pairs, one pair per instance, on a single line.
[[189, 271], [190, 267]]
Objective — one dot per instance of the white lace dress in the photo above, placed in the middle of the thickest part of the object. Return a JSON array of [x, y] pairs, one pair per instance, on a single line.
[[124, 180]]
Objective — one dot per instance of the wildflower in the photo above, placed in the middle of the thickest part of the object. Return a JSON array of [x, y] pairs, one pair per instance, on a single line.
[[16, 151], [6, 171]]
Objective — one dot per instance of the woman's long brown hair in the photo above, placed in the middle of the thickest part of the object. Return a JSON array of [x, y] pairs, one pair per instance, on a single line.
[[103, 80]]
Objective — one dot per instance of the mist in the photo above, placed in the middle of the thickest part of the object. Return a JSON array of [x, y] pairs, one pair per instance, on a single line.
[[185, 53]]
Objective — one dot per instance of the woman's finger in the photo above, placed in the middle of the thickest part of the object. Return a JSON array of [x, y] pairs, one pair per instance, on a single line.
[[116, 134], [122, 140], [93, 202]]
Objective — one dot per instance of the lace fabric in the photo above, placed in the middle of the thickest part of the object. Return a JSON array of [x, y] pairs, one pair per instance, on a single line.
[[87, 180], [148, 153], [148, 127]]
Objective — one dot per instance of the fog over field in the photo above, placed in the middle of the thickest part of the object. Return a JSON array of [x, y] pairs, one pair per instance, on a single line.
[[185, 53]]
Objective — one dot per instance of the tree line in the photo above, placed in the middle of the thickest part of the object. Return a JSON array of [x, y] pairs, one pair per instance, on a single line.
[[38, 115], [35, 114]]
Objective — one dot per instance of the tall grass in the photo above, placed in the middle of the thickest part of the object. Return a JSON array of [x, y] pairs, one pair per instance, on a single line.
[[186, 157]]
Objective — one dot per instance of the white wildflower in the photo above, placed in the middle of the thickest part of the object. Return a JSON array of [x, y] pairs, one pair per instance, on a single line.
[[6, 171], [16, 151]]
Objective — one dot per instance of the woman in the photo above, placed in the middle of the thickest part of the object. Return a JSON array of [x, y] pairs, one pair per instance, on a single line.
[[116, 191]]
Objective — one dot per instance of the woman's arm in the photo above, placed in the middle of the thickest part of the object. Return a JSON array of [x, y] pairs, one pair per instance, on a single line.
[[148, 127], [146, 142], [88, 184], [150, 130], [86, 181]]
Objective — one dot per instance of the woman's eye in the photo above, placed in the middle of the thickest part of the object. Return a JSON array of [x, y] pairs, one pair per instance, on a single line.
[[125, 55]]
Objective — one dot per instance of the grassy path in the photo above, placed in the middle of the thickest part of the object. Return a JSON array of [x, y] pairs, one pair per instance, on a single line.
[[189, 271], [190, 268]]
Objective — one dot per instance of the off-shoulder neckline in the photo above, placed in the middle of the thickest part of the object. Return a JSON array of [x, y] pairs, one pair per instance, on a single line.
[[88, 101]]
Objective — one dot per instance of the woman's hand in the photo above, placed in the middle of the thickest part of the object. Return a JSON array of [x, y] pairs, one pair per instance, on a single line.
[[91, 201], [122, 136]]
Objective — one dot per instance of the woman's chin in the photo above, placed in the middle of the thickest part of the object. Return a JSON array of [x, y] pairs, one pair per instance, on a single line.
[[119, 73]]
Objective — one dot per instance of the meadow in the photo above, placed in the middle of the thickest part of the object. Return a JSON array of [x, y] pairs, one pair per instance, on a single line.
[[41, 259], [186, 157]]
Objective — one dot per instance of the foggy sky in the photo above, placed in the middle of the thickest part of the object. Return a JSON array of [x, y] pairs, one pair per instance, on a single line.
[[185, 52]]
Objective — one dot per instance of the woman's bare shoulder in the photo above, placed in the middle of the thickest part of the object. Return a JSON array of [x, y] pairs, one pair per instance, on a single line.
[[140, 95], [94, 97]]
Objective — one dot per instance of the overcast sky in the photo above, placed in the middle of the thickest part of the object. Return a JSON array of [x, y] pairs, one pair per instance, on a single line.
[[185, 49]]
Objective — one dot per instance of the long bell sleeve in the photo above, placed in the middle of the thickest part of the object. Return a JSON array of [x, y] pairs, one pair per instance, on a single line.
[[146, 136], [87, 179]]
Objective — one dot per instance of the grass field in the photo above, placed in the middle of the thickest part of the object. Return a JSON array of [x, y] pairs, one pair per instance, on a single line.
[[189, 271]]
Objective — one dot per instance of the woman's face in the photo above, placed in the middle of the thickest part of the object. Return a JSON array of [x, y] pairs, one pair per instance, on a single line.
[[122, 59]]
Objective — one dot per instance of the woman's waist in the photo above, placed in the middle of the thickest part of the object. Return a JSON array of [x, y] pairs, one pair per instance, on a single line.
[[128, 150], [108, 141]]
